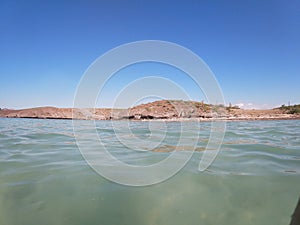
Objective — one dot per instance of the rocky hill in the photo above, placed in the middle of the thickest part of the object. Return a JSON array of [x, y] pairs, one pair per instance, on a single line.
[[163, 109]]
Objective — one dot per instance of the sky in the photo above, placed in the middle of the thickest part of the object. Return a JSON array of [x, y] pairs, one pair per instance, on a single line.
[[252, 47]]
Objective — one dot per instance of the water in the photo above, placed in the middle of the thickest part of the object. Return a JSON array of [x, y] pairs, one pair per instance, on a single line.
[[44, 179]]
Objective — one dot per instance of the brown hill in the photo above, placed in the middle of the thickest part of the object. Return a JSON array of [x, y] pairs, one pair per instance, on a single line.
[[163, 109]]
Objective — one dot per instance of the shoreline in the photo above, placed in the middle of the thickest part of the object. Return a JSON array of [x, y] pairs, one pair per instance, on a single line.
[[237, 119], [163, 110]]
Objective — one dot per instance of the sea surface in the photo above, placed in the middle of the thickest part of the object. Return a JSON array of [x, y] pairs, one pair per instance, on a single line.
[[44, 179]]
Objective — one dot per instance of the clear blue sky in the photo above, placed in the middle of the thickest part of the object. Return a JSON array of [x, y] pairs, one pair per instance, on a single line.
[[253, 47]]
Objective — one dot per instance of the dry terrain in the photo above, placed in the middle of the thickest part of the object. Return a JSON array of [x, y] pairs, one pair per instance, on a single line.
[[163, 109]]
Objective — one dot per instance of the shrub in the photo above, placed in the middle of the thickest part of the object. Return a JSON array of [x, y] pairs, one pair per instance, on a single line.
[[294, 109]]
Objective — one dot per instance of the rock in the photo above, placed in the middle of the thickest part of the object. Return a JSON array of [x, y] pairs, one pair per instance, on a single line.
[[164, 109]]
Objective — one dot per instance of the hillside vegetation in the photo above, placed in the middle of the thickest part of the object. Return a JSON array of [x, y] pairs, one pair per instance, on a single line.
[[293, 109]]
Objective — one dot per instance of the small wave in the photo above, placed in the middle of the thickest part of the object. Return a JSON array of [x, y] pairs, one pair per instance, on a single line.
[[47, 136], [170, 148]]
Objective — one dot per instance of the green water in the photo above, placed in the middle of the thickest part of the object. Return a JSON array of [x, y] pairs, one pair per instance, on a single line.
[[44, 179]]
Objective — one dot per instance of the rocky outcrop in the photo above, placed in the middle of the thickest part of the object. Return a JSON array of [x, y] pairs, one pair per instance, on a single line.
[[40, 112], [164, 109]]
